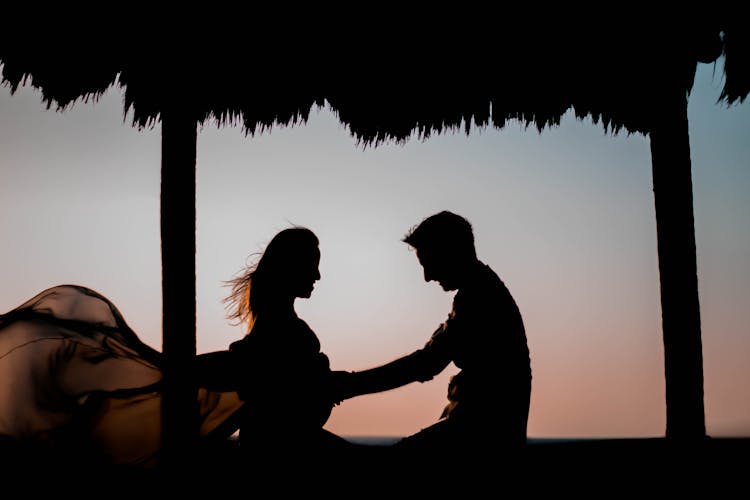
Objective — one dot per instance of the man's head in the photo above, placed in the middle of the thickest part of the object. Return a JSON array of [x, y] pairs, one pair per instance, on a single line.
[[444, 243]]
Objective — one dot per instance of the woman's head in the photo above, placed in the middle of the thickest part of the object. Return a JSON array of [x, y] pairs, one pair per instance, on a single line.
[[287, 269]]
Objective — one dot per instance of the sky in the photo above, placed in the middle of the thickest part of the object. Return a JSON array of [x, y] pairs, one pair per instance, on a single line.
[[565, 217]]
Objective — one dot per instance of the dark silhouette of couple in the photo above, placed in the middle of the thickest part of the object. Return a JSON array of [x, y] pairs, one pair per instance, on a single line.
[[275, 384], [289, 388]]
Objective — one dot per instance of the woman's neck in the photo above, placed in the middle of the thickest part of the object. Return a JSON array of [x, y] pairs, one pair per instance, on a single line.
[[282, 306]]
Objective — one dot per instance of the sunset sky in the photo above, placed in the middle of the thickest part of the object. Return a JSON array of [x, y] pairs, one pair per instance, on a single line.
[[565, 217]]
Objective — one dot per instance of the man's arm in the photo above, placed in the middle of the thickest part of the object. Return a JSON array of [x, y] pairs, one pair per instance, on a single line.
[[421, 365]]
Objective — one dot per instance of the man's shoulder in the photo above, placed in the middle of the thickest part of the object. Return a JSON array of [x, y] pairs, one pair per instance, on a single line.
[[483, 280], [484, 291]]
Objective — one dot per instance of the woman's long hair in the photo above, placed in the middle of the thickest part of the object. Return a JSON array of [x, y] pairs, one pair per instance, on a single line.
[[258, 287]]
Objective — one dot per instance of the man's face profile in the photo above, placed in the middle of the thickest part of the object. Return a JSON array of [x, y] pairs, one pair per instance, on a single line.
[[437, 267]]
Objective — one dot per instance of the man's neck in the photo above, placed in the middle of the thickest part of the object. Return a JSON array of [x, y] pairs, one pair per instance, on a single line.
[[466, 270]]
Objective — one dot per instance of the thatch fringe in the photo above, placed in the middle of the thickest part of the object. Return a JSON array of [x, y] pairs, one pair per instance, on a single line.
[[616, 77]]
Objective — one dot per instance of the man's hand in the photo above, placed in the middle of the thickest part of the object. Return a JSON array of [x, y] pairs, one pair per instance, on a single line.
[[340, 386]]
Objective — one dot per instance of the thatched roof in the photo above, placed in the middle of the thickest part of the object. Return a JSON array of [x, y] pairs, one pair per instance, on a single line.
[[391, 83]]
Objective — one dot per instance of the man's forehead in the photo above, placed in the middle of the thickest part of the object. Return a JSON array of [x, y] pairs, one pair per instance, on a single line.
[[428, 253]]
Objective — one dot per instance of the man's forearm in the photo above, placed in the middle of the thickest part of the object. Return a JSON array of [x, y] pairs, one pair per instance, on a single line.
[[405, 370]]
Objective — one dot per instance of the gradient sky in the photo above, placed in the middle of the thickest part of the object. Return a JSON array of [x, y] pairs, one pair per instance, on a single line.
[[565, 217]]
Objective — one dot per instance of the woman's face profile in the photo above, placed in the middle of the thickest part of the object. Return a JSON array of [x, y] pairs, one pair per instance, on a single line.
[[307, 273]]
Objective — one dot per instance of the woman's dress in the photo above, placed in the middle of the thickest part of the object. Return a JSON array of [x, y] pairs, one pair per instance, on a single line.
[[74, 374]]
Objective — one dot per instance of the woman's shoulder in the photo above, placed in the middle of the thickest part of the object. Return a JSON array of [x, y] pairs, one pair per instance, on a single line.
[[280, 329], [279, 324]]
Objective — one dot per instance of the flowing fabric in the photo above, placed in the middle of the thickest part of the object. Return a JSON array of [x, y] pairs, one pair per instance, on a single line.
[[73, 373]]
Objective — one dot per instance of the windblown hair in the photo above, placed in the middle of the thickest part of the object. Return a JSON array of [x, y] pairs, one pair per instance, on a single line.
[[257, 286], [442, 230]]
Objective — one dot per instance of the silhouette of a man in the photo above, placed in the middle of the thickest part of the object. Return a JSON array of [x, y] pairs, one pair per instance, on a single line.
[[484, 336]]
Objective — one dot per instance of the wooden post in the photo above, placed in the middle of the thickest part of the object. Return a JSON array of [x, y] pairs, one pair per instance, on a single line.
[[673, 197], [178, 249]]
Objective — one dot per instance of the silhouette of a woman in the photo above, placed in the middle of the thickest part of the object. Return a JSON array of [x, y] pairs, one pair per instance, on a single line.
[[278, 367], [75, 377]]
